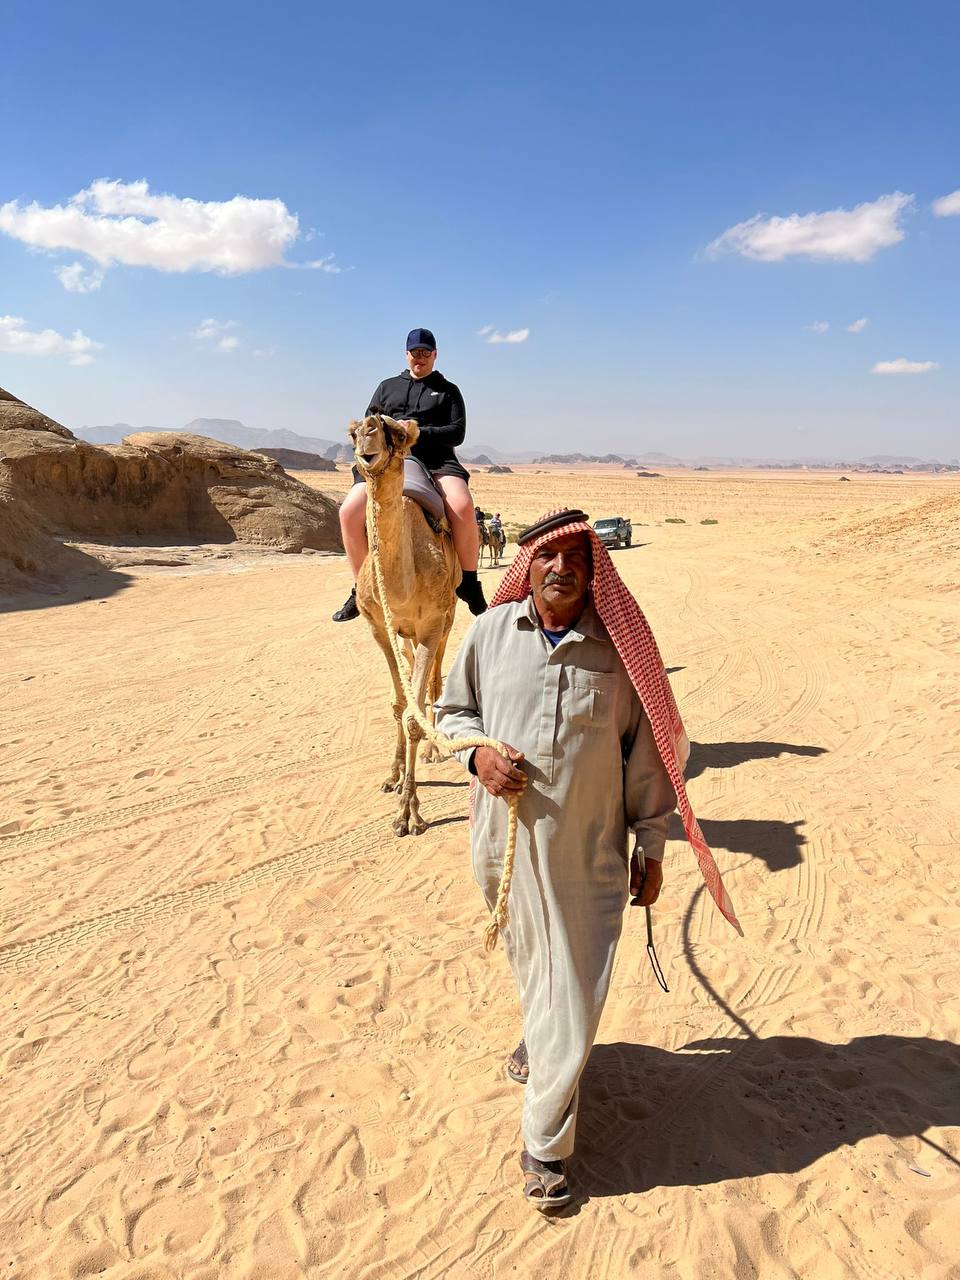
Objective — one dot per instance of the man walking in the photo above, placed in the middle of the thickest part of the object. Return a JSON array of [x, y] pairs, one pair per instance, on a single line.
[[566, 671], [422, 393]]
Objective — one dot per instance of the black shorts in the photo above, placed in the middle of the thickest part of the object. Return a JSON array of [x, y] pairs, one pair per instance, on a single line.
[[449, 467]]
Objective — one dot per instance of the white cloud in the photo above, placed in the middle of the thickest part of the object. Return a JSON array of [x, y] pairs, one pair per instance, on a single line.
[[858, 326], [839, 235], [903, 365], [209, 329], [77, 279], [17, 339], [947, 206], [326, 264], [265, 353], [218, 333], [124, 222], [820, 326], [494, 335]]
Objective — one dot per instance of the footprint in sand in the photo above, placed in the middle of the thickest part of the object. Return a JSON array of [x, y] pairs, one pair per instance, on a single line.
[[25, 1053], [157, 1062], [175, 1226], [94, 1096], [256, 937]]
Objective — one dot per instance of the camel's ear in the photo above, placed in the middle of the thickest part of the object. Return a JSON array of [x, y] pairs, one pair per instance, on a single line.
[[352, 430], [402, 435]]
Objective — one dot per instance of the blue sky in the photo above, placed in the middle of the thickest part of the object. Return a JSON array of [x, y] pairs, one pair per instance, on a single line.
[[559, 170]]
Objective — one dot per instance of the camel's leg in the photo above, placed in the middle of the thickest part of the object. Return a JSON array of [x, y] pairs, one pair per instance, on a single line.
[[408, 819], [432, 754], [395, 780]]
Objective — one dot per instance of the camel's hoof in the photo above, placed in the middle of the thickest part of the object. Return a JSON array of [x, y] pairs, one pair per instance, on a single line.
[[389, 785], [418, 827], [400, 827]]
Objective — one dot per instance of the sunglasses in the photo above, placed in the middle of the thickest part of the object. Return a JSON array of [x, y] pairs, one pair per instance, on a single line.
[[420, 353]]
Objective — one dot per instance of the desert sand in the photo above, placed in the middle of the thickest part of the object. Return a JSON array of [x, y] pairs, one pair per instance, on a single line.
[[246, 1032]]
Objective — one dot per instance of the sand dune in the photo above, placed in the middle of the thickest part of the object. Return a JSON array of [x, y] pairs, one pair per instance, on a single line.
[[246, 1032]]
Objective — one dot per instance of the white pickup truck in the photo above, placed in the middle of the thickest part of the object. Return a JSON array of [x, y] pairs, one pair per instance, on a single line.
[[614, 532]]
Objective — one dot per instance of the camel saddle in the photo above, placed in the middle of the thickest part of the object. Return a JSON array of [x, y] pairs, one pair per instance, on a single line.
[[418, 484]]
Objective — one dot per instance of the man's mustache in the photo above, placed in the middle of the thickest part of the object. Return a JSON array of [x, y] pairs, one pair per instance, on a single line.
[[561, 579]]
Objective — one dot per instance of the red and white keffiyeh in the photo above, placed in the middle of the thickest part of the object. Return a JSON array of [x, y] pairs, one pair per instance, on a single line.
[[634, 642]]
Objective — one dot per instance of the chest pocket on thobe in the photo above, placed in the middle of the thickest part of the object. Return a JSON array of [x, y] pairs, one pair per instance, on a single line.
[[591, 699]]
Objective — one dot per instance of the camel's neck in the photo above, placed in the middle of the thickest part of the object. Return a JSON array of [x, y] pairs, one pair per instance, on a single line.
[[396, 546]]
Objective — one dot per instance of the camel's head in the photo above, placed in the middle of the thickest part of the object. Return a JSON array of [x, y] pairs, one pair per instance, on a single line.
[[377, 440]]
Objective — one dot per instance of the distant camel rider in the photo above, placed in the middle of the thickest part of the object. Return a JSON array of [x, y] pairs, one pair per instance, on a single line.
[[436, 405]]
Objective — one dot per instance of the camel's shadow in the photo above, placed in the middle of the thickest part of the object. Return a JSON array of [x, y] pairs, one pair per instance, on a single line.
[[747, 1107], [775, 842], [727, 755]]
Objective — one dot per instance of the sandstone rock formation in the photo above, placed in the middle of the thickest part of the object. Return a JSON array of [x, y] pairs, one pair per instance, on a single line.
[[17, 416], [296, 460], [163, 485]]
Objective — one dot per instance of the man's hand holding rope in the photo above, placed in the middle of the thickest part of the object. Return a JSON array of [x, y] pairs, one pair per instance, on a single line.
[[498, 775]]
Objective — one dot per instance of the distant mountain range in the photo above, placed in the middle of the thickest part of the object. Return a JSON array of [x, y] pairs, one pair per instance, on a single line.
[[230, 431], [108, 435]]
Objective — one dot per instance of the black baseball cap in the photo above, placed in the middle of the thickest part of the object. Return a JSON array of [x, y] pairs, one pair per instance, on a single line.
[[421, 338]]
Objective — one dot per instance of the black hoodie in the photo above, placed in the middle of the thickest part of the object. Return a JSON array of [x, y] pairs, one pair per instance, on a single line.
[[436, 406]]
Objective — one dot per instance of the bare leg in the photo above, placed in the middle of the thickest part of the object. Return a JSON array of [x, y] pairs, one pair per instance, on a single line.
[[463, 520], [353, 526]]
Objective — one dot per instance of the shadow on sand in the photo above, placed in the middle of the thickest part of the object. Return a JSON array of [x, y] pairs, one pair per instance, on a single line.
[[742, 1106], [747, 1107], [94, 583], [773, 841], [727, 755]]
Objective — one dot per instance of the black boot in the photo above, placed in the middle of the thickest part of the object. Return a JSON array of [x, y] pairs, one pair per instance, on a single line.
[[471, 592], [348, 610]]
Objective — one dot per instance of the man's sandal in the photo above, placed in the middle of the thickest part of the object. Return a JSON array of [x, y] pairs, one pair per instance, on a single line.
[[518, 1061], [545, 1182]]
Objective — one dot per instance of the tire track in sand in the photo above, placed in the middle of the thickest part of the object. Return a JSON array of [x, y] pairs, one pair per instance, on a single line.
[[359, 843], [146, 808]]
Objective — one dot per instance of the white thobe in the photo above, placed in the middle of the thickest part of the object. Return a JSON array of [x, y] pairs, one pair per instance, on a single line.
[[594, 774]]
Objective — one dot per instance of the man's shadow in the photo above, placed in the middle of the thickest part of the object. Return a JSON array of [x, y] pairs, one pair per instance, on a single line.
[[747, 1107], [777, 843], [727, 755]]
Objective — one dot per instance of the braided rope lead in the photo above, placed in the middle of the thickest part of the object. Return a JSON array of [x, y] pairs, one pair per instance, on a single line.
[[498, 916]]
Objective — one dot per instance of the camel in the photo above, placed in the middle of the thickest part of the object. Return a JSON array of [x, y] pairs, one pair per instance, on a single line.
[[490, 543], [486, 543], [421, 573], [498, 542]]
